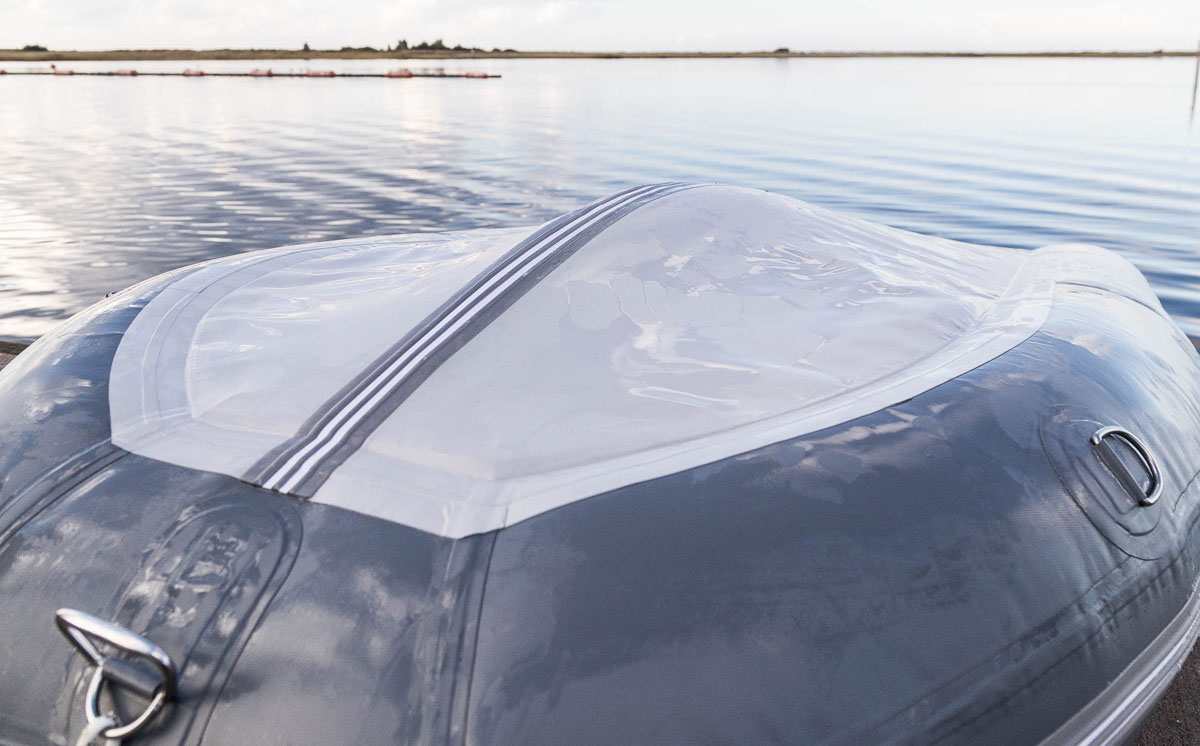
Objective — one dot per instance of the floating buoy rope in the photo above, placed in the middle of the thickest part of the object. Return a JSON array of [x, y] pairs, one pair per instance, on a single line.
[[256, 73]]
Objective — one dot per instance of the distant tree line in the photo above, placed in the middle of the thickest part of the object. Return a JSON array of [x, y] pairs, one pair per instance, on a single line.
[[437, 45], [34, 48]]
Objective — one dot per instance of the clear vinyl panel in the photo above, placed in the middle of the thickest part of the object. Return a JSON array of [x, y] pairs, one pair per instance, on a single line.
[[693, 324], [704, 325], [230, 361]]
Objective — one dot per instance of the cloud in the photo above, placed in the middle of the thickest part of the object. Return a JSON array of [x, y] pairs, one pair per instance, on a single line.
[[612, 25]]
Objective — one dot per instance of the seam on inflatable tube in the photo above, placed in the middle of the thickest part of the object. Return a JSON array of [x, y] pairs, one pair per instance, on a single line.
[[1122, 716]]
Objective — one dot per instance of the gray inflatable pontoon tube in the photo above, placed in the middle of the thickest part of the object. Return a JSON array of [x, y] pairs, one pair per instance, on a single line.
[[690, 464]]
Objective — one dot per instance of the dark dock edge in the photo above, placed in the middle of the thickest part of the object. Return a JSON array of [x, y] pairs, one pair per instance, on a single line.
[[9, 350]]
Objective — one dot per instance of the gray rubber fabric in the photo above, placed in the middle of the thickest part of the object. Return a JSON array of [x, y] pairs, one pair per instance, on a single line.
[[979, 562], [958, 568]]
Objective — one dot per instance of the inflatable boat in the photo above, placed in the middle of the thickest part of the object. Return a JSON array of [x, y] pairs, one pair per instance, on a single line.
[[691, 464]]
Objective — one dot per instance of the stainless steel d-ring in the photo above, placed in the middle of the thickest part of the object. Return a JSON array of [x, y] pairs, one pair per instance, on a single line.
[[1142, 452], [117, 732], [82, 629]]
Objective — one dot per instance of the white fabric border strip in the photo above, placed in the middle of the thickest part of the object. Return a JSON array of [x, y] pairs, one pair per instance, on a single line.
[[492, 506], [149, 394], [151, 414]]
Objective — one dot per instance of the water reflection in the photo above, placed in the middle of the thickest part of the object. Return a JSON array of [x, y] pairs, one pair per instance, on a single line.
[[106, 181]]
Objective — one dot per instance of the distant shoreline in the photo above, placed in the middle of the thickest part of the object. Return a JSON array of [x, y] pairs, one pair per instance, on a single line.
[[147, 55]]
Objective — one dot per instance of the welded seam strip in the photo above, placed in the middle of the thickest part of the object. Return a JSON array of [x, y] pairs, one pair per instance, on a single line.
[[1103, 721], [339, 427]]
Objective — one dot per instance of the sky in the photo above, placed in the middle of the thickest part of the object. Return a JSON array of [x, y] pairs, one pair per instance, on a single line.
[[614, 25]]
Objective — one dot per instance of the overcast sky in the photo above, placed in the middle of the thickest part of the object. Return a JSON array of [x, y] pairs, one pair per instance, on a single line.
[[609, 25]]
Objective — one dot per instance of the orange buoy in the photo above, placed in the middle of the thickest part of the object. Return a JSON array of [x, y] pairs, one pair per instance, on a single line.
[[320, 74], [262, 73], [401, 73], [192, 73], [476, 75]]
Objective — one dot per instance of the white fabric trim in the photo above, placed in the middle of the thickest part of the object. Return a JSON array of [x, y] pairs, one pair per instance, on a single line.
[[241, 321], [483, 506], [280, 331]]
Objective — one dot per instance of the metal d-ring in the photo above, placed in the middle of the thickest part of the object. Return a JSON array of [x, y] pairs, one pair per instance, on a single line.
[[82, 629], [1142, 452]]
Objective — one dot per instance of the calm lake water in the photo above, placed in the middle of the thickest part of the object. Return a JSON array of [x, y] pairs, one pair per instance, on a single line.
[[106, 181]]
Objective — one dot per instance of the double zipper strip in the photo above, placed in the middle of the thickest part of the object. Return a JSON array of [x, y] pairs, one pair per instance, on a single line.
[[339, 427]]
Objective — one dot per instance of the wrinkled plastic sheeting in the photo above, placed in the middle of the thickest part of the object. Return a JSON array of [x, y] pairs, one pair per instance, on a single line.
[[703, 325], [228, 362]]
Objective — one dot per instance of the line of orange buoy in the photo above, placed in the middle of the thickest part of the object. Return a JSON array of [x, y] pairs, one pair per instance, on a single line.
[[251, 74]]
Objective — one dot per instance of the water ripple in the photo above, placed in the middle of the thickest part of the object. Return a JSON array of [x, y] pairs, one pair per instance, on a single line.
[[107, 181]]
